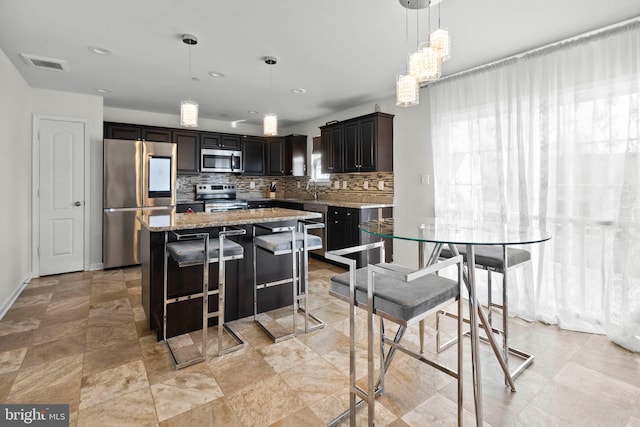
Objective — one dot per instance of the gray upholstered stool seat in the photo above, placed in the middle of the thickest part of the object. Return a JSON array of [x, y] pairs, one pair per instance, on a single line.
[[280, 242], [403, 300], [402, 295], [294, 240], [490, 256], [188, 250], [191, 252]]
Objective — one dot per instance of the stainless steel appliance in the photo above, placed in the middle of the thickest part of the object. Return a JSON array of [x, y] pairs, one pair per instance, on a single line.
[[219, 197], [220, 160], [139, 177], [320, 232]]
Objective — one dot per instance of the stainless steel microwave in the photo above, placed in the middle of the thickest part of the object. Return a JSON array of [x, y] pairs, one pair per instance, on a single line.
[[220, 160]]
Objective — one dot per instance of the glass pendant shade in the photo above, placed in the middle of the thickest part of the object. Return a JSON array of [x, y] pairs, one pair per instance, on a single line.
[[270, 125], [189, 114], [439, 39], [406, 90], [433, 63], [418, 65]]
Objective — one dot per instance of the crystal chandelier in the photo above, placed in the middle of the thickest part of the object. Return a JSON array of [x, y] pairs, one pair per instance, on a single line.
[[189, 108], [425, 63], [270, 122]]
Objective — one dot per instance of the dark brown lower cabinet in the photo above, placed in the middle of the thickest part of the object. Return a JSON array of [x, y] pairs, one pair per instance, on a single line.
[[186, 316]]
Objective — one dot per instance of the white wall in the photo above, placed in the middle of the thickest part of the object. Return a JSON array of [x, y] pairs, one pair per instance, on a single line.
[[89, 107], [122, 115], [15, 182], [411, 158]]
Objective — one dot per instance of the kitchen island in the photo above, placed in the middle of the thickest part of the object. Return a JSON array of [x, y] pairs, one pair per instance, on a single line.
[[186, 316]]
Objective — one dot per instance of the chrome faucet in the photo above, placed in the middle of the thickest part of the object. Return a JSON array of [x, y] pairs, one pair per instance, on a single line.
[[315, 188]]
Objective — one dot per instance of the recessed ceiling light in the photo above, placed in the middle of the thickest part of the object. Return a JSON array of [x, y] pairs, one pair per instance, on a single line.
[[195, 79], [252, 112], [100, 50], [299, 91], [216, 74], [102, 90]]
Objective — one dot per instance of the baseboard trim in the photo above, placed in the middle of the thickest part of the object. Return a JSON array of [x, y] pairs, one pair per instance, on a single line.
[[16, 293], [96, 266]]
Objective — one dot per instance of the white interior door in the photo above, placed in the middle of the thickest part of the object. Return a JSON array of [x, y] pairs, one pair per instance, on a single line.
[[61, 196]]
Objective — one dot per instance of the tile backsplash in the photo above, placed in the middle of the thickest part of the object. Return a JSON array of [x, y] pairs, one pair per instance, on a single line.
[[343, 187]]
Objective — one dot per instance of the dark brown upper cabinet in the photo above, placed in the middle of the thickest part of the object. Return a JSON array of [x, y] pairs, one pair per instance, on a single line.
[[188, 151], [253, 155], [331, 148], [361, 144]]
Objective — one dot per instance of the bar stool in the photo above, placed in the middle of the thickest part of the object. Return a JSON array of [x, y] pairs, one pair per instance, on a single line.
[[493, 259], [189, 250], [400, 295], [280, 241]]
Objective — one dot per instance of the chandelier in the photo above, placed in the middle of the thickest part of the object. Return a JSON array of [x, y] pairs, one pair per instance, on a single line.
[[425, 63]]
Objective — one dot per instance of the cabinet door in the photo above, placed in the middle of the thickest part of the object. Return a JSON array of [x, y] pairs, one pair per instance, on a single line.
[[275, 156], [253, 156], [156, 134], [298, 155], [230, 142], [339, 233], [337, 149], [351, 147], [210, 140], [188, 151], [367, 145], [122, 131], [325, 150]]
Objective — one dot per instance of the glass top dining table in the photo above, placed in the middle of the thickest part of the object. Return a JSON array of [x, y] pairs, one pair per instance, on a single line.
[[458, 231], [470, 233]]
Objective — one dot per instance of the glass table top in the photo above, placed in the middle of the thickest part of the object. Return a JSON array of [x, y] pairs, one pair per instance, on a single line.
[[458, 231]]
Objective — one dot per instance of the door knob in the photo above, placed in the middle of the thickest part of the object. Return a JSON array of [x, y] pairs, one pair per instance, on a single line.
[[77, 204]]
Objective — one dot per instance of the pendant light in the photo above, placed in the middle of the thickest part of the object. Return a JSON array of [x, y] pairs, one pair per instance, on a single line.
[[407, 88], [189, 108], [439, 39], [270, 123]]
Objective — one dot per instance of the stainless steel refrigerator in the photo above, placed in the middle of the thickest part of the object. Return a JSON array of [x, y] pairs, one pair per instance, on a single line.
[[139, 177]]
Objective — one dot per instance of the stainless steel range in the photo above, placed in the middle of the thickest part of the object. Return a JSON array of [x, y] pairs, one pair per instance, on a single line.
[[219, 197]]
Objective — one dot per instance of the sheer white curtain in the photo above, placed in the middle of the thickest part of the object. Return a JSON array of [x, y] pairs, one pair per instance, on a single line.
[[554, 135]]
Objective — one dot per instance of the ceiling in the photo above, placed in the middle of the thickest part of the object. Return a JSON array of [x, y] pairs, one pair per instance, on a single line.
[[343, 53]]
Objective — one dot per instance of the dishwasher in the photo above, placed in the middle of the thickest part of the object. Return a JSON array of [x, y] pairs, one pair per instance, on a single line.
[[320, 232]]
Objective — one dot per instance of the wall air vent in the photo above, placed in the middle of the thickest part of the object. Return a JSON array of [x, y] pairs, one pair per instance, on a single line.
[[48, 63]]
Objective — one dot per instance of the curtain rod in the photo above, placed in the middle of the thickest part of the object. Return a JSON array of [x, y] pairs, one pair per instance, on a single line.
[[629, 23]]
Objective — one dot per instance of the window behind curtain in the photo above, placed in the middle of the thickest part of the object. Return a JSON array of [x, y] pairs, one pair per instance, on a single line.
[[554, 135]]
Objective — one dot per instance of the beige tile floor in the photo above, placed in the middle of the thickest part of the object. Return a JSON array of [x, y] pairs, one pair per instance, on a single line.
[[82, 339]]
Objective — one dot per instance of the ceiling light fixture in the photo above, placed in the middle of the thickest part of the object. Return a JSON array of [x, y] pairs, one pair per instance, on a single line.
[[216, 74], [100, 50], [270, 123], [299, 91], [439, 39], [102, 90], [425, 64], [406, 84], [189, 108]]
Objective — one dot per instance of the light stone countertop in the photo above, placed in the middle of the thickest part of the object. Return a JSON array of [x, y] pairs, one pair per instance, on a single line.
[[325, 202], [189, 221]]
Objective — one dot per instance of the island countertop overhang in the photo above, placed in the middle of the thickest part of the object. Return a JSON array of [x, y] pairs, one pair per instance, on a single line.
[[192, 221]]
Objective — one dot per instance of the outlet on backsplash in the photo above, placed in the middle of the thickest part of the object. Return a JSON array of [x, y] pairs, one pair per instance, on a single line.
[[344, 185], [365, 185]]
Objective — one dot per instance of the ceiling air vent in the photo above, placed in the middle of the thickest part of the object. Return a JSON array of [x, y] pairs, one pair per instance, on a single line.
[[42, 62]]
